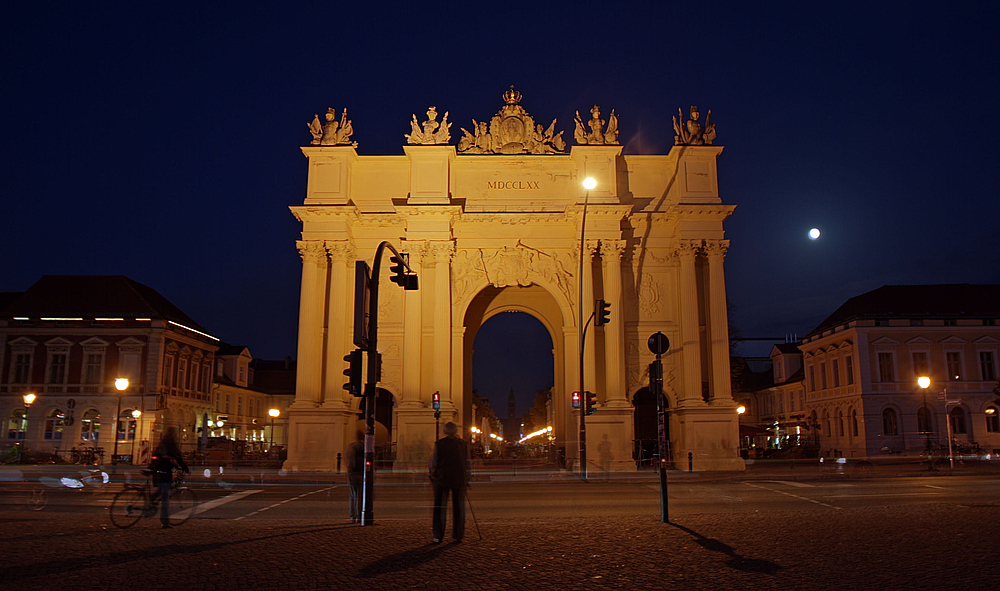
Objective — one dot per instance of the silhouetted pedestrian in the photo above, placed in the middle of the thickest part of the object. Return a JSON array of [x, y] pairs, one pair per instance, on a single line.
[[356, 473], [166, 457], [449, 472]]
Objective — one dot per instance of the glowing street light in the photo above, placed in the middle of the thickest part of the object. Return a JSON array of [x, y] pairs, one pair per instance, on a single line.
[[273, 413], [741, 409], [28, 398], [121, 384], [924, 382]]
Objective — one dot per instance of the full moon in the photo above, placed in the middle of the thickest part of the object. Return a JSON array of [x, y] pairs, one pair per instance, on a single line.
[[814, 234]]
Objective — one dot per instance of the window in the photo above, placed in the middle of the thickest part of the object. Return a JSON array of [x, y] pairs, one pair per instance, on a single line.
[[822, 375], [126, 425], [22, 369], [228, 399], [957, 417], [836, 373], [57, 368], [987, 370], [15, 425], [885, 368], [920, 365], [168, 370], [950, 322], [849, 369], [924, 420], [916, 323], [826, 422], [840, 423], [889, 424], [854, 423], [181, 377], [92, 368], [881, 323], [812, 379], [989, 322], [992, 420], [90, 426], [54, 425], [954, 360]]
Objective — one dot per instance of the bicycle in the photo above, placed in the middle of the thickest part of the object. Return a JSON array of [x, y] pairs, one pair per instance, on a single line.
[[135, 501]]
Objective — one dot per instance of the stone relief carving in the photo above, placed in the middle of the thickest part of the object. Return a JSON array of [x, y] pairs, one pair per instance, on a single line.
[[432, 132], [511, 131], [333, 132], [649, 293], [693, 133], [597, 134], [508, 266]]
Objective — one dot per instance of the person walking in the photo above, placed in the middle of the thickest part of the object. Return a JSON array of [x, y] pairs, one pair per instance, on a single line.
[[356, 473], [166, 456], [449, 473]]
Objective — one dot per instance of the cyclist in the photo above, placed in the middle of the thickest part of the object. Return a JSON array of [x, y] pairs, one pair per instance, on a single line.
[[166, 457]]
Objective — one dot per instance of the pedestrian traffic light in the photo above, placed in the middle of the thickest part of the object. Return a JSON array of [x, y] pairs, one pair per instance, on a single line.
[[400, 276], [602, 311], [437, 401], [354, 360], [576, 400], [591, 402]]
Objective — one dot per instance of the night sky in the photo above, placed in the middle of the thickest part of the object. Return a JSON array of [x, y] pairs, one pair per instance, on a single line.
[[161, 141]]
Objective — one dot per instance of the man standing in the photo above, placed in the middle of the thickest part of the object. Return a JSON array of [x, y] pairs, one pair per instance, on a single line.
[[449, 472], [356, 473]]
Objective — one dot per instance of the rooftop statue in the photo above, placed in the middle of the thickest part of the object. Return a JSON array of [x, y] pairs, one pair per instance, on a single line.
[[692, 133], [433, 132], [597, 134], [511, 131], [333, 132]]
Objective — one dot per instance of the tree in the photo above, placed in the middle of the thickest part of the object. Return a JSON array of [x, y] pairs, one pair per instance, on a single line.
[[537, 416]]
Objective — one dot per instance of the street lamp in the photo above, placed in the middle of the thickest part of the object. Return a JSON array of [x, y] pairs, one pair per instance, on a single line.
[[121, 384], [28, 399], [273, 413], [588, 184], [924, 382]]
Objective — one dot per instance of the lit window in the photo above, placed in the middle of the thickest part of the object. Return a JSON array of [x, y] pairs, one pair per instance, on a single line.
[[54, 425], [992, 420], [954, 360]]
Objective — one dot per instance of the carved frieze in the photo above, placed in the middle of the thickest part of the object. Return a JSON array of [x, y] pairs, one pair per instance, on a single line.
[[508, 266], [511, 131]]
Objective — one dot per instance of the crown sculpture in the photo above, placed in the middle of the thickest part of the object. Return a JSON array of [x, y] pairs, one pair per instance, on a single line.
[[692, 133], [511, 131], [432, 132], [597, 134], [333, 132]]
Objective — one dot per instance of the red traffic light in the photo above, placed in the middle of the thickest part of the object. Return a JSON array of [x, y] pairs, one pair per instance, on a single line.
[[576, 400]]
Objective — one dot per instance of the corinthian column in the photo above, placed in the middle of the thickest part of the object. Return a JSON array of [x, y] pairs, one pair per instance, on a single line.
[[690, 329], [614, 333], [338, 334], [441, 254], [587, 303], [412, 329], [718, 328], [310, 347]]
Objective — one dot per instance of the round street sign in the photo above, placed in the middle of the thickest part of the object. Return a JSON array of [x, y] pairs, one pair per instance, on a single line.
[[658, 343]]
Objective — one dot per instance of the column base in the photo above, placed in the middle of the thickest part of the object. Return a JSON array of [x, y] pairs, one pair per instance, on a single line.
[[710, 434], [609, 440], [316, 436]]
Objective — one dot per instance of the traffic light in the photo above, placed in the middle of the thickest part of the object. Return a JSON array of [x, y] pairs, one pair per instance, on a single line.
[[437, 401], [353, 372], [602, 312], [400, 264], [576, 400], [591, 402]]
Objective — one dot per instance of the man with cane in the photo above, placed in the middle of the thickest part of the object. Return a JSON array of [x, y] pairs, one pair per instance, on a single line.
[[449, 472]]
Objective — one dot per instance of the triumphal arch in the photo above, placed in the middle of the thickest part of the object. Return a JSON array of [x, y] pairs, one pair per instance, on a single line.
[[491, 223]]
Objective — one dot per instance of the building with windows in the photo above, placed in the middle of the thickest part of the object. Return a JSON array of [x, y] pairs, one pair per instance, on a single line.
[[66, 340], [860, 368]]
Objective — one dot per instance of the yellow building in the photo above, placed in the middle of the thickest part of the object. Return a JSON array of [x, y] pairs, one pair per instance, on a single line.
[[494, 224]]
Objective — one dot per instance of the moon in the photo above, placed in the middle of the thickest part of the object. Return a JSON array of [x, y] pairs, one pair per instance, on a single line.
[[814, 234]]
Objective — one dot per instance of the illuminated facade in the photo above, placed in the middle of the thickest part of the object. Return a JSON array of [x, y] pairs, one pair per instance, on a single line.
[[494, 224]]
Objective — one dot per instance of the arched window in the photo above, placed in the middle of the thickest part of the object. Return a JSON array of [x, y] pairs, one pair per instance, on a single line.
[[957, 417], [924, 420], [840, 423], [826, 423], [90, 426], [15, 425], [992, 420], [54, 424], [890, 426], [126, 425], [854, 423]]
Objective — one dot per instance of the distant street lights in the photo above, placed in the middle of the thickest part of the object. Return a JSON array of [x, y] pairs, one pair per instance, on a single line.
[[28, 399], [273, 413], [121, 384]]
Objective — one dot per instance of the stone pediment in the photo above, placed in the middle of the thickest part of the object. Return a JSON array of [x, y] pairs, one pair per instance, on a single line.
[[987, 340], [511, 131], [885, 341]]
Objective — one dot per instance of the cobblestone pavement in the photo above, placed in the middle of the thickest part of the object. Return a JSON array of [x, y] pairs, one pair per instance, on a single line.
[[913, 547]]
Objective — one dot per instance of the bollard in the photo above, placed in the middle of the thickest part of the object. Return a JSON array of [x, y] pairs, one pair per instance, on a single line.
[[690, 462], [338, 462]]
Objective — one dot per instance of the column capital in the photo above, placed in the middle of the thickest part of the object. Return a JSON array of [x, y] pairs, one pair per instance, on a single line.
[[311, 251], [613, 250], [716, 249], [687, 249], [440, 251], [340, 251]]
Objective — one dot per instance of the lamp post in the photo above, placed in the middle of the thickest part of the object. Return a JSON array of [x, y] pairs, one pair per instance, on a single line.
[[135, 415], [121, 384], [588, 184], [924, 382], [272, 413], [28, 398]]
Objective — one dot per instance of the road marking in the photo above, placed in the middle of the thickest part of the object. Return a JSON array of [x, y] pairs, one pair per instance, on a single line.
[[792, 483], [937, 487], [788, 494], [209, 505], [280, 503], [877, 494]]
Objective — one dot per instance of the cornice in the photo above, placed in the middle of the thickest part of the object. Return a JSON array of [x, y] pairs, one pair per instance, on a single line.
[[305, 213]]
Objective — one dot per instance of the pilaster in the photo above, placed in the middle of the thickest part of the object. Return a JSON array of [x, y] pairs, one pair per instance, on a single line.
[[721, 390], [690, 339], [615, 393]]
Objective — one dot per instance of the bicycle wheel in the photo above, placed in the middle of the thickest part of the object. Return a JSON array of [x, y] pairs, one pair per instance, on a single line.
[[182, 505], [127, 507]]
